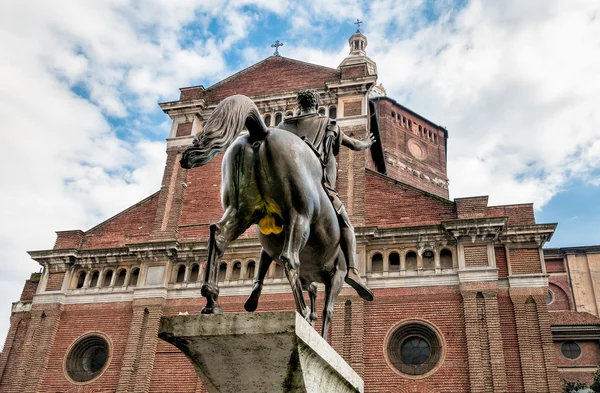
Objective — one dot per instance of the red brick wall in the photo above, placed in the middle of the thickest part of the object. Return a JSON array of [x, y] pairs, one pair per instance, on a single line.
[[501, 263], [390, 203], [476, 256], [356, 71], [442, 307], [525, 261], [555, 265], [273, 75], [68, 239], [130, 226], [510, 343], [184, 129], [30, 287], [475, 207], [560, 292], [112, 320], [352, 109], [590, 355], [191, 93], [517, 214], [55, 281]]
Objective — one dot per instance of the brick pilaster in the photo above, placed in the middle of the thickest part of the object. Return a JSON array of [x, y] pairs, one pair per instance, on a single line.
[[487, 370], [538, 361], [33, 362], [138, 360], [11, 351], [170, 199]]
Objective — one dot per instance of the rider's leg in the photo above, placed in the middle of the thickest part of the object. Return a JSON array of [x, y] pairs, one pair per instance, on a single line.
[[348, 245]]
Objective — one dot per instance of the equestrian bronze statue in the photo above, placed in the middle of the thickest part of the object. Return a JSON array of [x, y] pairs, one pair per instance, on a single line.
[[278, 179]]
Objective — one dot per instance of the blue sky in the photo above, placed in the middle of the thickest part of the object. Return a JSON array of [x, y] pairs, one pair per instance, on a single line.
[[515, 83]]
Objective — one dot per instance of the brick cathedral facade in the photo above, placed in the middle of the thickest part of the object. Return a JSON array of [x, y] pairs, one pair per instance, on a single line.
[[468, 281]]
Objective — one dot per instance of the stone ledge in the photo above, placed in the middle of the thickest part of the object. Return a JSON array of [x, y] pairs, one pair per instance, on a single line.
[[259, 352]]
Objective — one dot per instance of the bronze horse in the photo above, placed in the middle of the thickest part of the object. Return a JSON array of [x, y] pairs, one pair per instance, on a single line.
[[270, 177]]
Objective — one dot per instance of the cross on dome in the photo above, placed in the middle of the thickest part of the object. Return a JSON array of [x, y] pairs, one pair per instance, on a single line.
[[358, 23]]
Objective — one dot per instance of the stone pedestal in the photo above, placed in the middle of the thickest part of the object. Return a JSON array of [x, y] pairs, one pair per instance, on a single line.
[[259, 352]]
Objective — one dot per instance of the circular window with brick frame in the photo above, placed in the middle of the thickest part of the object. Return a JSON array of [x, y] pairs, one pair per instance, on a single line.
[[87, 358], [571, 350], [414, 349]]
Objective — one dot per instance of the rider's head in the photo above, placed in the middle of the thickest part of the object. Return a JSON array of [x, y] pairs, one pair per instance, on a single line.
[[308, 100]]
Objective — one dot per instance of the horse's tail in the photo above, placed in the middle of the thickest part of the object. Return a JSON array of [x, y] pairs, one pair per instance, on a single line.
[[222, 127]]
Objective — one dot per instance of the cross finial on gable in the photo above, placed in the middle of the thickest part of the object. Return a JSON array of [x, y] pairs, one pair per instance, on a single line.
[[276, 45], [358, 23]]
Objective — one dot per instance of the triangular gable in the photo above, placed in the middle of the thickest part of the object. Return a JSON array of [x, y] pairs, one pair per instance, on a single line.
[[132, 225], [275, 74], [391, 203]]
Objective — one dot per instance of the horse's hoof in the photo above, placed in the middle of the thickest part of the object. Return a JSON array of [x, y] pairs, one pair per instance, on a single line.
[[251, 304], [212, 310]]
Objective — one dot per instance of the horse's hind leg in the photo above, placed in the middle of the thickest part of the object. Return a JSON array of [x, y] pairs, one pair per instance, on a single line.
[[221, 233], [296, 235], [312, 295], [332, 290], [263, 267]]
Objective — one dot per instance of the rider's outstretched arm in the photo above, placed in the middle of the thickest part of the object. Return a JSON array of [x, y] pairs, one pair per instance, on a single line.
[[355, 144]]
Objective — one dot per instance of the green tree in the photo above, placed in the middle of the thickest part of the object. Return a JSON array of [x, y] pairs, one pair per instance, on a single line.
[[595, 386], [573, 387]]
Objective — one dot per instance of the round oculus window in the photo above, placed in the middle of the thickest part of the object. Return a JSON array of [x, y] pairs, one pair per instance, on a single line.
[[416, 149], [570, 350], [87, 358], [414, 349]]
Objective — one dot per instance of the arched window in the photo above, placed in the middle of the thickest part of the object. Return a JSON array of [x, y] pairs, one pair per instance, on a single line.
[[404, 120], [377, 263], [410, 125], [289, 114], [428, 260], [429, 133], [235, 273], [446, 259], [435, 138], [121, 278], [393, 116], [411, 260], [394, 259], [81, 279], [94, 280], [268, 120], [332, 112], [250, 269], [107, 278], [279, 272], [180, 274], [222, 272], [420, 131], [278, 118], [195, 272], [322, 111], [135, 274]]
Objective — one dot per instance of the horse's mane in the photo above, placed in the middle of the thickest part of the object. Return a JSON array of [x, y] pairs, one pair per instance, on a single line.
[[228, 119]]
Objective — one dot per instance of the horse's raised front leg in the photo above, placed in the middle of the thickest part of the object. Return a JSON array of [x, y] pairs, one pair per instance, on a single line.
[[332, 290], [296, 235], [229, 228], [263, 267]]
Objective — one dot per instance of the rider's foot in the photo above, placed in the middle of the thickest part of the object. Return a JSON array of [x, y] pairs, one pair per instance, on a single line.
[[353, 279]]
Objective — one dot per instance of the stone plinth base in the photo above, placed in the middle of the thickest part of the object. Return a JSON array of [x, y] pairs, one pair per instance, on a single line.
[[259, 352]]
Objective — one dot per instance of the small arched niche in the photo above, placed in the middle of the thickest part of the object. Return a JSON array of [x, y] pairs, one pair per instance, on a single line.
[[446, 259], [394, 259], [411, 260], [377, 263]]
